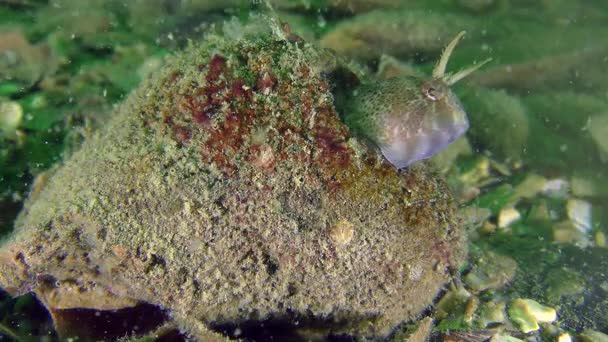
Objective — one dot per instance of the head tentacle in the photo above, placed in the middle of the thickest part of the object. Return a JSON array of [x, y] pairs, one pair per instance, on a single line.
[[439, 71], [451, 79]]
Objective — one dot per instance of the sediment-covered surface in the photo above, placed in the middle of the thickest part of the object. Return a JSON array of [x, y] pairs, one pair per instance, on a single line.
[[226, 189]]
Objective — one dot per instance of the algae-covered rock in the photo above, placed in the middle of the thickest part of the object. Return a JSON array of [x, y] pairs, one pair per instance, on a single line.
[[564, 282], [477, 6], [226, 190], [527, 313], [593, 335], [401, 33], [343, 6], [22, 61], [491, 271]]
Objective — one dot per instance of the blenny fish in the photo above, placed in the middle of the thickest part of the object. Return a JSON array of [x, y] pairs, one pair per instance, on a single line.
[[410, 118]]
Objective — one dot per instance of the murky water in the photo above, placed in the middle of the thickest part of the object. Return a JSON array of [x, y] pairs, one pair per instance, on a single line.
[[528, 176]]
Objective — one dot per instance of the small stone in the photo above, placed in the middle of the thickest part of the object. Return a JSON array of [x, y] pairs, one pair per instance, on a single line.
[[453, 301], [539, 212], [470, 308], [598, 128], [593, 336], [518, 313], [579, 212], [563, 282], [11, 114], [504, 338], [480, 171], [584, 187], [526, 313], [565, 337], [600, 239], [474, 216], [491, 313], [566, 232], [468, 193], [530, 186], [556, 187], [423, 331], [487, 228], [490, 271], [507, 216]]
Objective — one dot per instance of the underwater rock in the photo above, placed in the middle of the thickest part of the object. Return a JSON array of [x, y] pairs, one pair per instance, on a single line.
[[202, 6], [423, 331], [346, 6], [580, 69], [227, 191], [92, 22], [590, 335], [477, 6], [22, 61], [491, 313], [508, 216], [389, 67], [527, 313], [598, 128], [400, 33], [490, 271], [11, 115], [564, 282]]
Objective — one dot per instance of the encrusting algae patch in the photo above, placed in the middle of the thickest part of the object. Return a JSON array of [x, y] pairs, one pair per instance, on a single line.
[[212, 193]]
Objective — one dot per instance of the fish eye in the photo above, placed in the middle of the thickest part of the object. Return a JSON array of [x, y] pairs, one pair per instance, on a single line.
[[430, 92]]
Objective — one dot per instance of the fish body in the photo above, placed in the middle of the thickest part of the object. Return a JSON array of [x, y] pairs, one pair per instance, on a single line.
[[410, 118], [401, 118]]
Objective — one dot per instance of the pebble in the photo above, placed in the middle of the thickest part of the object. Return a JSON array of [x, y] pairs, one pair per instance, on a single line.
[[527, 313], [593, 336], [599, 132], [11, 115], [491, 313], [579, 213], [490, 271], [600, 239], [530, 186], [508, 216]]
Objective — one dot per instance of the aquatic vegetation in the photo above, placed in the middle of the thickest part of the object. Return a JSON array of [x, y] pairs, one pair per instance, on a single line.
[[408, 118]]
